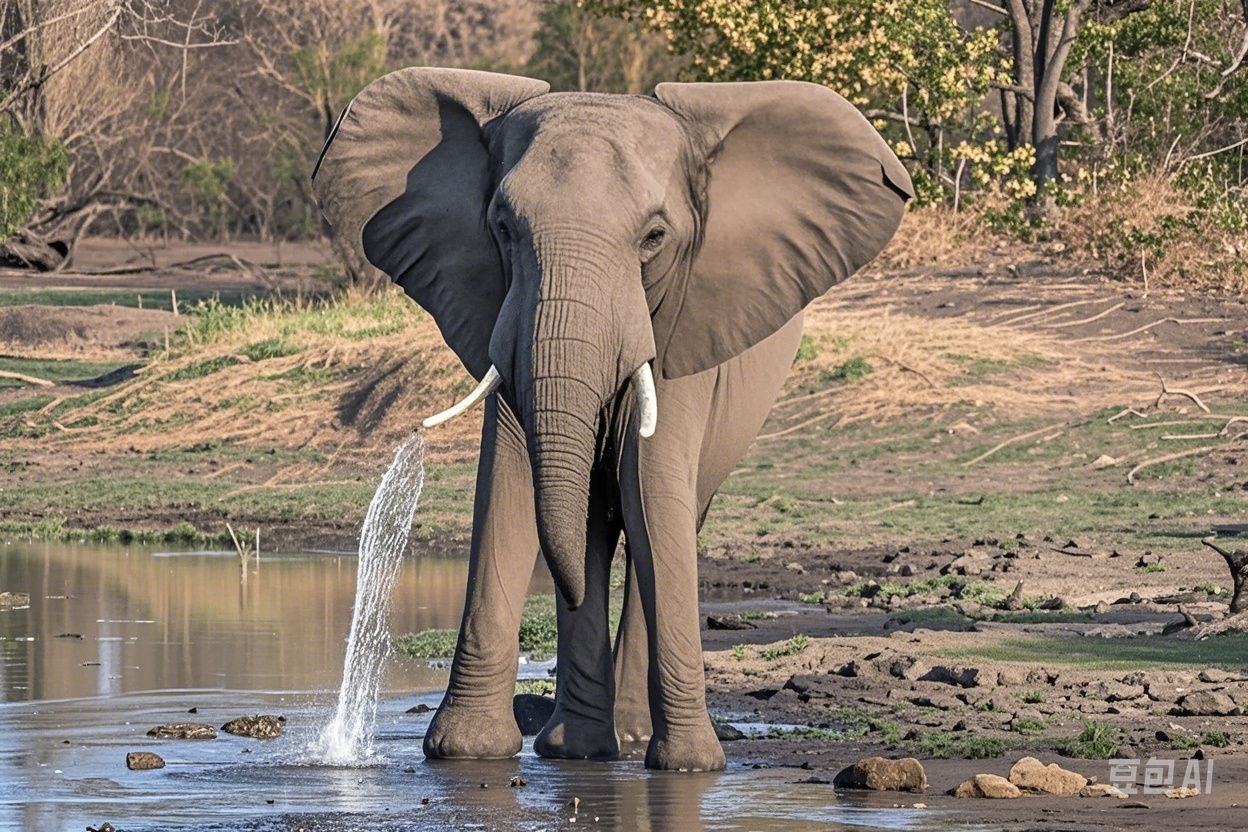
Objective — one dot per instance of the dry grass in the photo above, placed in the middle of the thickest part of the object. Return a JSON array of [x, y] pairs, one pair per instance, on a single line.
[[1150, 228], [875, 363], [939, 236], [357, 371]]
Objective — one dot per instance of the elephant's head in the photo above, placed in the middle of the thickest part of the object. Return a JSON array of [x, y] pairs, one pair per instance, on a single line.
[[565, 243]]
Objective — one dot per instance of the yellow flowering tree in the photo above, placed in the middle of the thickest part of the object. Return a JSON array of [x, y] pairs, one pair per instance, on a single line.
[[907, 63]]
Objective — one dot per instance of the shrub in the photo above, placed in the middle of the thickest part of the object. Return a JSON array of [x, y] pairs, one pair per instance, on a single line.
[[30, 168]]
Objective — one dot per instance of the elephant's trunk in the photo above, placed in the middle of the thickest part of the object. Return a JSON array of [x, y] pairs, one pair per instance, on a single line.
[[571, 373]]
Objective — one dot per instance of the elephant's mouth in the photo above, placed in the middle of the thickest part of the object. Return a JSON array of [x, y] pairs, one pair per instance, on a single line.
[[642, 381]]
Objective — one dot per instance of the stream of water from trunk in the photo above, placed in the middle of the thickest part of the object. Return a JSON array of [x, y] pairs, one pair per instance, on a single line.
[[348, 738]]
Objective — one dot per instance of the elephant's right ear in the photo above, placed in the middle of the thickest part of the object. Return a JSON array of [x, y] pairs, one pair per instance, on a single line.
[[405, 180]]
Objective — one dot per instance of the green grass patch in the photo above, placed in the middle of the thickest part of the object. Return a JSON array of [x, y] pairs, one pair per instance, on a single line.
[[537, 687], [56, 528], [1225, 651], [791, 647], [55, 370], [269, 348], [852, 370], [1215, 739], [203, 368], [24, 405], [947, 745], [1026, 725], [427, 644], [1097, 741]]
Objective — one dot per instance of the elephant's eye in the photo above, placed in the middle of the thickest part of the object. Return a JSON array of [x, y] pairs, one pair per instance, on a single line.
[[653, 239]]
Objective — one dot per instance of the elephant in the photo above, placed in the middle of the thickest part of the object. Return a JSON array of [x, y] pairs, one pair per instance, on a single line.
[[625, 276]]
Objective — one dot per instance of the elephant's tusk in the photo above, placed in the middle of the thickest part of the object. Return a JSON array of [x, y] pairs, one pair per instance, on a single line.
[[488, 385], [647, 400]]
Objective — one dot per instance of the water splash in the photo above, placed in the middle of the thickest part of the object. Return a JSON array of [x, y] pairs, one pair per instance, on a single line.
[[348, 738]]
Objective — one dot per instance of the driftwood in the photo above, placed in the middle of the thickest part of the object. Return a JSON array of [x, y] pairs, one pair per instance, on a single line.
[[1175, 391], [22, 377]]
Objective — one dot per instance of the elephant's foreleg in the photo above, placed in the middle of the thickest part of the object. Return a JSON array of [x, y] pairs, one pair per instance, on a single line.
[[475, 719], [658, 481], [583, 724], [632, 701]]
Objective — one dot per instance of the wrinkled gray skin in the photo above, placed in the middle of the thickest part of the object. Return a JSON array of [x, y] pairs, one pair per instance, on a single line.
[[567, 239]]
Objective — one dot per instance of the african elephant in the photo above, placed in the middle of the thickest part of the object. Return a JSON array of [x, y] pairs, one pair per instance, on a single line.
[[625, 275]]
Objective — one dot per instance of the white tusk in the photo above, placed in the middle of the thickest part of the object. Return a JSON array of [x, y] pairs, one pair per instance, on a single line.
[[647, 400], [488, 385]]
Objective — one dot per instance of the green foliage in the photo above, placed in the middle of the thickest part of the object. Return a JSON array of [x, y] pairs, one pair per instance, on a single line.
[[269, 348], [427, 644], [576, 49], [1027, 725], [807, 350], [30, 168], [854, 369], [537, 687], [1097, 741], [335, 75], [539, 635], [203, 368], [791, 647], [909, 63], [946, 745]]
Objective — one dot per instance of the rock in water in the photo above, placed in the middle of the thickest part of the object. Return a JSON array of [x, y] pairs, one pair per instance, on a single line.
[[987, 785], [184, 731], [1031, 775], [728, 733], [532, 712], [883, 775], [143, 761], [259, 727]]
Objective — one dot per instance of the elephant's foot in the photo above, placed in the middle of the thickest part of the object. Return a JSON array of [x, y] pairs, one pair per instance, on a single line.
[[568, 737], [462, 733], [693, 749], [633, 724]]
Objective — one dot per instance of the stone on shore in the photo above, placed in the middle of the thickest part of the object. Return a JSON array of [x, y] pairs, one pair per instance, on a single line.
[[991, 786], [1033, 776], [884, 775]]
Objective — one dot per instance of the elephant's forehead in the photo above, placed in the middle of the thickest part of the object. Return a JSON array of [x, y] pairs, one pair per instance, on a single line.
[[612, 146]]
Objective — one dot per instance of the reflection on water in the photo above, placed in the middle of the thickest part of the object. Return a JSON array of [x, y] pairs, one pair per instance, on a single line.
[[164, 632], [157, 619], [247, 785]]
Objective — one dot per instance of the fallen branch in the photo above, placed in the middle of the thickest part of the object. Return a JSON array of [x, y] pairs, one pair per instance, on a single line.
[[903, 366], [1169, 423], [807, 423], [1006, 443], [1127, 412], [1095, 317], [22, 377], [1049, 310], [1157, 460], [1170, 437], [1166, 391], [1145, 327]]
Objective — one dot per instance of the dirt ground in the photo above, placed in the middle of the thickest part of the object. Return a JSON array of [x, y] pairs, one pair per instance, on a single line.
[[970, 531]]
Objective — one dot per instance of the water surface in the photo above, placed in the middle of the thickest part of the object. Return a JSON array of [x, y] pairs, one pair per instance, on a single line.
[[163, 632]]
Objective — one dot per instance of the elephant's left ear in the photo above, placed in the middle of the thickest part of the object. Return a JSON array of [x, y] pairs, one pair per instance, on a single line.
[[802, 193]]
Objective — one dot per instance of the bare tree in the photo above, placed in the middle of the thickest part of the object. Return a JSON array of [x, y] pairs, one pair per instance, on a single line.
[[1042, 34], [66, 65]]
